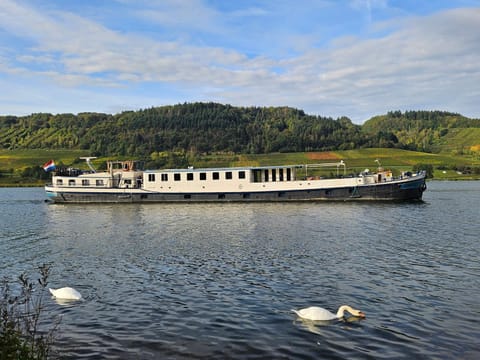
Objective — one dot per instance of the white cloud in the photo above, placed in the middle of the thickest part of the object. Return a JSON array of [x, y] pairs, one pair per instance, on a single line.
[[181, 14], [431, 62], [419, 62]]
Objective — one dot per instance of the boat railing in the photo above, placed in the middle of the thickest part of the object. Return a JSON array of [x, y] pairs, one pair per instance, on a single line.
[[72, 172], [326, 165]]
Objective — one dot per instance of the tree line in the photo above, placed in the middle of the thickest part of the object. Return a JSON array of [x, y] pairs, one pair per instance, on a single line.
[[213, 127]]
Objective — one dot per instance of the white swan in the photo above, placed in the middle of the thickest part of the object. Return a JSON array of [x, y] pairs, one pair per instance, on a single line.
[[316, 313], [66, 293]]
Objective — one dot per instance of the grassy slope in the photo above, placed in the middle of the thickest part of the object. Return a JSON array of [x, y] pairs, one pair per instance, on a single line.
[[364, 157], [18, 160], [395, 159]]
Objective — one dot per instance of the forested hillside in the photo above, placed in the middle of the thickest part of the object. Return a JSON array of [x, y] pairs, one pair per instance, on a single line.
[[211, 127], [428, 131]]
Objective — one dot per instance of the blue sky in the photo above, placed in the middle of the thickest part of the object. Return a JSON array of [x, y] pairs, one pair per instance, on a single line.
[[354, 58]]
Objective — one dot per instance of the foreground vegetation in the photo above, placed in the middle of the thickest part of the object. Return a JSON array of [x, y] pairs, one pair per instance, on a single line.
[[21, 335]]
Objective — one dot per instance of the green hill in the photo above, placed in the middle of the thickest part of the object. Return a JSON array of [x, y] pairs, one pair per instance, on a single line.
[[211, 127], [429, 131], [198, 127]]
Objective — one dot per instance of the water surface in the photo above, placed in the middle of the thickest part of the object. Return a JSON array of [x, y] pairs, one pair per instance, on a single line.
[[216, 281]]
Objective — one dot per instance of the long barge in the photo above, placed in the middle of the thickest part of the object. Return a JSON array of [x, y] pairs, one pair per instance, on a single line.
[[125, 182]]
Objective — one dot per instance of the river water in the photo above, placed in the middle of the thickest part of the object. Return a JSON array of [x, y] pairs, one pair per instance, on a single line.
[[218, 281]]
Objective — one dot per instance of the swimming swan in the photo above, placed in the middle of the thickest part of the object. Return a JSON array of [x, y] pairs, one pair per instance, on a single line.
[[66, 293], [316, 313]]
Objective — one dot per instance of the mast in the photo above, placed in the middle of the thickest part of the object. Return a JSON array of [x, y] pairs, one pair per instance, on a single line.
[[89, 163]]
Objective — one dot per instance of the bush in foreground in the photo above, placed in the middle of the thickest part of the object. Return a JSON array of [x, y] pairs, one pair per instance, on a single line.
[[20, 334]]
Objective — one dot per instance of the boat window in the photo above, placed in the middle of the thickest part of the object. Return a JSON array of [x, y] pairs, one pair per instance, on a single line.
[[176, 176], [203, 176], [266, 175], [189, 176], [246, 195], [164, 177], [228, 175], [257, 175], [215, 175], [280, 174], [241, 174], [99, 182], [289, 174], [151, 177], [221, 196], [59, 181], [274, 175], [71, 182], [85, 182], [187, 196]]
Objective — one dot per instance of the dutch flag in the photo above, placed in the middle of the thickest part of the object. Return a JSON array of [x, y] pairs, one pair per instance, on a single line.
[[49, 166]]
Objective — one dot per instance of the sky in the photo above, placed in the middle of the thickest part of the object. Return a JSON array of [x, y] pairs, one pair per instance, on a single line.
[[354, 58]]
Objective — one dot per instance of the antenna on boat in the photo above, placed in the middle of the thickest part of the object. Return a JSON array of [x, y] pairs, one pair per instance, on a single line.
[[89, 163]]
